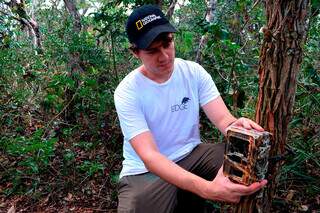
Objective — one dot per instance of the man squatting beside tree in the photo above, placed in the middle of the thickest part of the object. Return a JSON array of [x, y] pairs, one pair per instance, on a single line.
[[166, 168]]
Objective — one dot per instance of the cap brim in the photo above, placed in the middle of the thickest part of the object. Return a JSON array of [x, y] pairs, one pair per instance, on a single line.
[[147, 39]]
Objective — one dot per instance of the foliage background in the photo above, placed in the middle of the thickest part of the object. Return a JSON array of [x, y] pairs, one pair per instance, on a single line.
[[60, 142]]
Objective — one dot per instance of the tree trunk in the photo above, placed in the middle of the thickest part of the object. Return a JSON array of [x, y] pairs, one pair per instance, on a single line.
[[171, 8], [74, 62], [280, 59], [19, 8], [72, 9], [210, 15]]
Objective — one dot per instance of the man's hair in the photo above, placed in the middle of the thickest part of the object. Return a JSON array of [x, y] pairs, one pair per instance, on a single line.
[[165, 38]]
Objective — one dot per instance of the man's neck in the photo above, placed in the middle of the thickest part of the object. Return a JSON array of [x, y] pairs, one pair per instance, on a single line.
[[154, 77]]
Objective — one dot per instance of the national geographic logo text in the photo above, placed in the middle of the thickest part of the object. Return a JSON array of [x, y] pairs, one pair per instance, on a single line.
[[146, 20]]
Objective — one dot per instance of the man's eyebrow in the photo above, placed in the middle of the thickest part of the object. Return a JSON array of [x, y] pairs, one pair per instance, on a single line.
[[153, 48], [159, 45]]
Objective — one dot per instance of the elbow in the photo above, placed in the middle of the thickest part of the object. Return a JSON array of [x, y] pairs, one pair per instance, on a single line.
[[149, 160]]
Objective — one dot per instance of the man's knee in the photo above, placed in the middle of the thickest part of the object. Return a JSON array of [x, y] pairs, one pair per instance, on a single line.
[[129, 202], [133, 195], [211, 160]]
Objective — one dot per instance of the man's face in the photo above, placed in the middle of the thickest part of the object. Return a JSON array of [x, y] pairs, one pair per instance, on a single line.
[[158, 58]]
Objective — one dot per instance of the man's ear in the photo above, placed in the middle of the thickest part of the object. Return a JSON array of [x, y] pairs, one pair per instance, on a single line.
[[134, 52]]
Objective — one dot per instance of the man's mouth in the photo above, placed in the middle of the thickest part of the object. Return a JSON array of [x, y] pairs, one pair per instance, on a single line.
[[165, 64]]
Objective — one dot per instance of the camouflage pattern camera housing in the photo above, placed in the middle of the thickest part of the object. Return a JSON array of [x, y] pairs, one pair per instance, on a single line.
[[246, 155]]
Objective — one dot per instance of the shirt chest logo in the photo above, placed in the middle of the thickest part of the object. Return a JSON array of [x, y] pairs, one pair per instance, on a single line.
[[181, 106]]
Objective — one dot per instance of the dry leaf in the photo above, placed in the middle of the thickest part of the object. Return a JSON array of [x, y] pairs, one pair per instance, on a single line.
[[69, 197], [12, 209], [304, 208], [290, 195]]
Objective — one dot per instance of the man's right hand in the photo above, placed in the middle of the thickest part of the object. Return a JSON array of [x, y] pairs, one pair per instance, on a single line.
[[222, 189]]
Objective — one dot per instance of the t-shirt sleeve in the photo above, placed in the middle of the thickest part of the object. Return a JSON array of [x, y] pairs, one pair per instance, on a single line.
[[206, 87], [132, 120]]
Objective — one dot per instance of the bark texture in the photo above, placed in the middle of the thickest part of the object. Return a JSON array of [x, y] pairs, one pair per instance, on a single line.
[[280, 59]]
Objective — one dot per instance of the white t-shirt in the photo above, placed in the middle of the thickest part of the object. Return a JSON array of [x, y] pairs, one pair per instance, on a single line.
[[169, 110]]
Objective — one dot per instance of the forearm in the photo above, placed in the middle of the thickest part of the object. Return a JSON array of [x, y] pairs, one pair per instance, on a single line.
[[225, 122], [219, 114], [174, 174]]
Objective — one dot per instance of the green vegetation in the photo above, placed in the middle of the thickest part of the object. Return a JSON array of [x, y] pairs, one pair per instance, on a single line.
[[60, 140]]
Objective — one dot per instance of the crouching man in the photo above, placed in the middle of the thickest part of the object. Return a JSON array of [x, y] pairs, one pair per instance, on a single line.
[[166, 168]]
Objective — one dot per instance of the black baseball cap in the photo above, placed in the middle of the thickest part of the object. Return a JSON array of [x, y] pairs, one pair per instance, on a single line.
[[145, 23]]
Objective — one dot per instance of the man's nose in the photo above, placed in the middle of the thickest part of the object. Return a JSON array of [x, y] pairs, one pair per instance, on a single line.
[[163, 54]]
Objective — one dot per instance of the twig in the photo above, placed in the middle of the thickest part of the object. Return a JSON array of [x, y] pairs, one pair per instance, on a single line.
[[102, 186], [84, 179], [245, 44]]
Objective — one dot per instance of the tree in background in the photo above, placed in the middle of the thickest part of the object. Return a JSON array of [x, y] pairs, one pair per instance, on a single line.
[[210, 18]]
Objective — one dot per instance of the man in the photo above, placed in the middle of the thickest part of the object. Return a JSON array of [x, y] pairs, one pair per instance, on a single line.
[[166, 168]]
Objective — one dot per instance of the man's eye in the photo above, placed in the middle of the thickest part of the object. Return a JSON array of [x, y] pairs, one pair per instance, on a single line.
[[166, 44], [151, 52]]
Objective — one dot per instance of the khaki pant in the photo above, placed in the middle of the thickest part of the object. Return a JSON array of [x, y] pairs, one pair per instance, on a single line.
[[147, 193]]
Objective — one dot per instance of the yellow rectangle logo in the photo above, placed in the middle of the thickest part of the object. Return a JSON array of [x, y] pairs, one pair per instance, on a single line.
[[139, 25]]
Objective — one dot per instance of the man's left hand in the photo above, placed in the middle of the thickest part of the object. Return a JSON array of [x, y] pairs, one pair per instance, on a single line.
[[247, 124]]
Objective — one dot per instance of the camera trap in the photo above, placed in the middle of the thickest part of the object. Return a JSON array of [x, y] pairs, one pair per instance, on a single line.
[[246, 155]]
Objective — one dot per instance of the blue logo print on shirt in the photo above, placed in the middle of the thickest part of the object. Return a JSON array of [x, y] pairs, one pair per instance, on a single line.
[[185, 100], [182, 106]]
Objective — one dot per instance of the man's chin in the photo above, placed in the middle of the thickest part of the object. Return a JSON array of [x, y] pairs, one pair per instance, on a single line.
[[167, 71], [167, 68]]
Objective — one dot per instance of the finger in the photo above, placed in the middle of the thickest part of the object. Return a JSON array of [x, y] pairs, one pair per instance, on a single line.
[[256, 126], [249, 124], [246, 190], [255, 187], [221, 170], [246, 124], [220, 173], [235, 199], [243, 122]]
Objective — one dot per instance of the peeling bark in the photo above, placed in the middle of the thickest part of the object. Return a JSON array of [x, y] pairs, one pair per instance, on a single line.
[[280, 59]]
